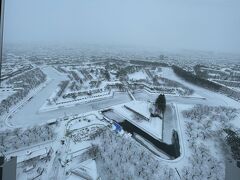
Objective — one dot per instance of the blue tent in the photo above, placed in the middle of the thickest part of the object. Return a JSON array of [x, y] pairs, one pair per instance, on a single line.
[[118, 127]]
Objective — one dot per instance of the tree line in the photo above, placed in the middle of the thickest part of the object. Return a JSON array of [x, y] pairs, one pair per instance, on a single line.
[[148, 63], [199, 81], [233, 140], [19, 137], [118, 157], [23, 83]]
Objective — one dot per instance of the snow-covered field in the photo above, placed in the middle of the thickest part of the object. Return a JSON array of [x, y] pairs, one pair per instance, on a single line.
[[70, 153], [138, 75], [212, 97]]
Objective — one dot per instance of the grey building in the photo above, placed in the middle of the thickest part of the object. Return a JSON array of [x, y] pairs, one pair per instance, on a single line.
[[8, 168]]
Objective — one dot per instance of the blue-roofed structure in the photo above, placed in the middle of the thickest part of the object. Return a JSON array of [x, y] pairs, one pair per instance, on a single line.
[[118, 128]]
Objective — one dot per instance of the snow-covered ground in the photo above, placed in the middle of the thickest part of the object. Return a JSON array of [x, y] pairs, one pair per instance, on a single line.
[[138, 75], [69, 103], [170, 123], [141, 107], [34, 116], [77, 120], [87, 168], [5, 93], [213, 98], [153, 126]]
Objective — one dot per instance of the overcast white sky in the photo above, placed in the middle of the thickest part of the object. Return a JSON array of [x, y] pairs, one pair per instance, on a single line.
[[168, 24]]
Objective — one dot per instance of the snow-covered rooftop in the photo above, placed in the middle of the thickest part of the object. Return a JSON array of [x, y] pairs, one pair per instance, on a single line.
[[153, 127], [140, 107]]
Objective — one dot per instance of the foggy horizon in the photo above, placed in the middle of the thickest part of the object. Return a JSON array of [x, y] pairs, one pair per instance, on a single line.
[[212, 25]]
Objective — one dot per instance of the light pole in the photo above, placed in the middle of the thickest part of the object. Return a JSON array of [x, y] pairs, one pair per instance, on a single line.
[[1, 36]]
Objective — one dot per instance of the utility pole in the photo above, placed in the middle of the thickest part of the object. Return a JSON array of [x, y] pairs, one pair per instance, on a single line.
[[1, 36]]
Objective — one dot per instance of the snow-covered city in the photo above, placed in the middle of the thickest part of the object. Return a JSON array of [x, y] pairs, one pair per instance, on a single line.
[[105, 109]]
